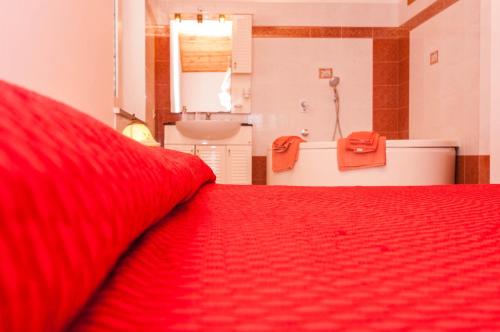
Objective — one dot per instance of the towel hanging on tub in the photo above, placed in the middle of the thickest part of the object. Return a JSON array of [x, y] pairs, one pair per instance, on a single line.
[[285, 152], [361, 150]]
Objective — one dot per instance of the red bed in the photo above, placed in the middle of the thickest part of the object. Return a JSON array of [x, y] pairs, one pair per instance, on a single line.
[[242, 258], [98, 233]]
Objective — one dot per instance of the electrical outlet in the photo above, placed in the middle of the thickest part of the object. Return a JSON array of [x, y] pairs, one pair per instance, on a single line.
[[434, 57]]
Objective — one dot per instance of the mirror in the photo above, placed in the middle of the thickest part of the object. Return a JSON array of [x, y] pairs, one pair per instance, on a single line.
[[204, 67]]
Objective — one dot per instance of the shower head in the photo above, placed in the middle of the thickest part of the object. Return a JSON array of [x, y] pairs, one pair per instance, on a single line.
[[334, 82]]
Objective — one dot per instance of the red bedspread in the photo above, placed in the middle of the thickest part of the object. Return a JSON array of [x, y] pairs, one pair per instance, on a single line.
[[312, 259], [74, 194]]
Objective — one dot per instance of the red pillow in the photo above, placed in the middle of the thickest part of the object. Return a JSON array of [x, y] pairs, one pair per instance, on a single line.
[[74, 194]]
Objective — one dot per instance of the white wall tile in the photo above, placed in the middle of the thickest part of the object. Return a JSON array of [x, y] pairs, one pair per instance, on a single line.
[[444, 98], [286, 72]]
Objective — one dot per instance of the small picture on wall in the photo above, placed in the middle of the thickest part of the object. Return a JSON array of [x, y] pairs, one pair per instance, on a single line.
[[325, 73], [434, 57]]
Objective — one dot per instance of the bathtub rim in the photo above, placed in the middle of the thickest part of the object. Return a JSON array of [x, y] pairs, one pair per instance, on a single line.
[[411, 143]]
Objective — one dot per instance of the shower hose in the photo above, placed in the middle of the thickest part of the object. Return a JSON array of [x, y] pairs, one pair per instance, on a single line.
[[337, 117]]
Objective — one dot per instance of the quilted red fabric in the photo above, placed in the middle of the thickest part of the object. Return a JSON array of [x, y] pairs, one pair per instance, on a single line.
[[73, 195], [241, 258]]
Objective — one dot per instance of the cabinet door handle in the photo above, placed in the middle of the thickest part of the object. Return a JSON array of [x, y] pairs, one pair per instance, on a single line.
[[229, 151]]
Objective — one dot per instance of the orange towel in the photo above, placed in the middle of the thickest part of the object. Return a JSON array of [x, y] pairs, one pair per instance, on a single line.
[[349, 159], [363, 137], [285, 152], [363, 142]]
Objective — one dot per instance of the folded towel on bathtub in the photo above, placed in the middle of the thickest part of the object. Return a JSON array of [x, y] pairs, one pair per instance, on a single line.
[[363, 137], [285, 152], [363, 141], [356, 156]]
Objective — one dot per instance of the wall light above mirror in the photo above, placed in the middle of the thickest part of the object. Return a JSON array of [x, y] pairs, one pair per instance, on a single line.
[[211, 63]]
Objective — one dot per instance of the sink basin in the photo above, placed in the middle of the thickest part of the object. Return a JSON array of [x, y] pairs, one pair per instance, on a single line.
[[208, 129]]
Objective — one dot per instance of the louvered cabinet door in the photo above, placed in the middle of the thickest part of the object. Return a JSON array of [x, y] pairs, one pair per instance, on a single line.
[[181, 148], [239, 164], [242, 44], [215, 157]]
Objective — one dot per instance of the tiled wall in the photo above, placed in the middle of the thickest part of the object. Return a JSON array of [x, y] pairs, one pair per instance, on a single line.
[[390, 69], [385, 85], [446, 100], [387, 71], [473, 170], [259, 170], [391, 83], [151, 83], [161, 38], [285, 72]]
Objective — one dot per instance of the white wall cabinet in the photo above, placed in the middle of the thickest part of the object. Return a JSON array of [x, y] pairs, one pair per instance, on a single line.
[[242, 44], [239, 164], [232, 164], [215, 156], [181, 148]]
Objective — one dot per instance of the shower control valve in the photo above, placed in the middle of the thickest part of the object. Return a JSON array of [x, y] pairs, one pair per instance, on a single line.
[[305, 107], [304, 132]]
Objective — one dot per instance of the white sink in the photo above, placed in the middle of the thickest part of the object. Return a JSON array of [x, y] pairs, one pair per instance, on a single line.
[[208, 129]]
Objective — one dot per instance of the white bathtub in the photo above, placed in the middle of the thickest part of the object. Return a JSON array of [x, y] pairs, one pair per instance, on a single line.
[[409, 163]]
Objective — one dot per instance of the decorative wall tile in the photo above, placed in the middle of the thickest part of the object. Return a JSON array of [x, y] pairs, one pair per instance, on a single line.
[[460, 170], [386, 33], [162, 48], [484, 169], [404, 94], [259, 170], [424, 15], [404, 70], [325, 32], [390, 135], [162, 96], [150, 83], [162, 72], [357, 32], [386, 120], [162, 86], [386, 50], [391, 93], [473, 170], [404, 47], [404, 134], [280, 32], [434, 9], [386, 73], [385, 96], [403, 122]]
